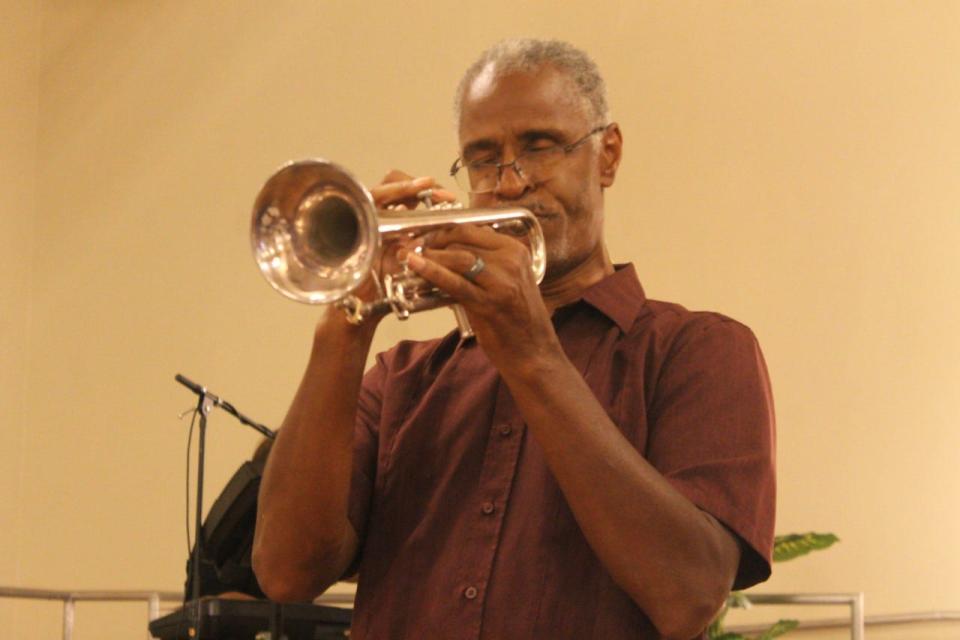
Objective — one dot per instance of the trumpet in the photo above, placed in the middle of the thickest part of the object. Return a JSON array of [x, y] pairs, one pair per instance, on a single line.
[[317, 234]]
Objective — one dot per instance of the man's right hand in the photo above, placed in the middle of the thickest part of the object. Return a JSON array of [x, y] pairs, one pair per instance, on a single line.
[[398, 191]]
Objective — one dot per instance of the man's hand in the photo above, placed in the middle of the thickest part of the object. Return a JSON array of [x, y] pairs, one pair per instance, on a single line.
[[503, 301], [398, 191]]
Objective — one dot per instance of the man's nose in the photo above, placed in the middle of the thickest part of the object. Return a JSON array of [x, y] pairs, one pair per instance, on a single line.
[[512, 183]]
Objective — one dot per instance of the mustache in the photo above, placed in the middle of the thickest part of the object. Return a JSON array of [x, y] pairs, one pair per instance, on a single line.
[[536, 208]]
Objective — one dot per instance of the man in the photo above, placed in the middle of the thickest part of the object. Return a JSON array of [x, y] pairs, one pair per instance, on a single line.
[[593, 465]]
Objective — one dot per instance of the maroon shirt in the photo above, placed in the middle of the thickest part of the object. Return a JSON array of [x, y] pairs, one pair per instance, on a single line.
[[464, 533]]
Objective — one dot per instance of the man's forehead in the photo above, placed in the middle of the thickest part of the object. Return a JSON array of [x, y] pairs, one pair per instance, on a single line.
[[518, 100], [483, 84]]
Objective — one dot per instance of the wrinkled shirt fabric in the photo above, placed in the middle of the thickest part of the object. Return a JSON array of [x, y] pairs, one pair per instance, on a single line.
[[465, 534]]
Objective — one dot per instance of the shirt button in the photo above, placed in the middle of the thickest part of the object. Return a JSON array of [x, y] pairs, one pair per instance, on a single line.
[[505, 430], [470, 593], [487, 508]]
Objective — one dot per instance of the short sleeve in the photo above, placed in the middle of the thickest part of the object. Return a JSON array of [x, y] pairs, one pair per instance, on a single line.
[[712, 433], [365, 447]]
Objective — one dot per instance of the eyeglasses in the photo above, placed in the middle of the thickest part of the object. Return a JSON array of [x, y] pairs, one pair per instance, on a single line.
[[535, 165]]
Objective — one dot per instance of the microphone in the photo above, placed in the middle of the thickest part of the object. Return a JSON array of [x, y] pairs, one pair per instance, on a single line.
[[219, 402]]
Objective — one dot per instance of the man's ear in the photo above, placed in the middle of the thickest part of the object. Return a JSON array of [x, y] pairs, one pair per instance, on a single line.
[[611, 150]]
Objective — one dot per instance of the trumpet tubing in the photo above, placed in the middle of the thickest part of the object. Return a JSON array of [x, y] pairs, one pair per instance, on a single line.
[[316, 235]]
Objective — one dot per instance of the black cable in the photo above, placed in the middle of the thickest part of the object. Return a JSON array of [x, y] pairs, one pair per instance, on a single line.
[[189, 442]]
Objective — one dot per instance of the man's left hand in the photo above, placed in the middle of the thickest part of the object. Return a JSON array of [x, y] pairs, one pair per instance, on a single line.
[[503, 301]]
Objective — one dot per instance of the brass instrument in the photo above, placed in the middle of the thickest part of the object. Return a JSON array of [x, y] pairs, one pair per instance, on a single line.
[[316, 235]]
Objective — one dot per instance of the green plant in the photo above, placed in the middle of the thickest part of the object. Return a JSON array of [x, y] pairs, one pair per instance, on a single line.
[[785, 548]]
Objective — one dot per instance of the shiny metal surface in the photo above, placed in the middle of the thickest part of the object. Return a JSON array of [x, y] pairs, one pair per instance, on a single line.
[[316, 235]]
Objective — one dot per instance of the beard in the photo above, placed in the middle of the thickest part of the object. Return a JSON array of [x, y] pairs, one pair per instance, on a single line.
[[571, 232], [571, 237]]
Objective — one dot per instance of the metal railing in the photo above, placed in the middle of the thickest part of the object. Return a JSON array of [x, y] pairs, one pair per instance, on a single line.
[[878, 620], [70, 598], [856, 622], [151, 598]]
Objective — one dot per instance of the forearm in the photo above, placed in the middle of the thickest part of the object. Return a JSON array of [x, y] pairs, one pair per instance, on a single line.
[[675, 561], [303, 539]]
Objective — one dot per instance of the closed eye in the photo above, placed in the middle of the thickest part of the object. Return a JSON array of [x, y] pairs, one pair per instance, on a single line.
[[482, 161], [540, 141], [540, 138], [540, 147]]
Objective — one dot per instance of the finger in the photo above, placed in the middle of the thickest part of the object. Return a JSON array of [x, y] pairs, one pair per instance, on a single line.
[[467, 234], [396, 175], [439, 194], [406, 247], [454, 284], [459, 261], [401, 191]]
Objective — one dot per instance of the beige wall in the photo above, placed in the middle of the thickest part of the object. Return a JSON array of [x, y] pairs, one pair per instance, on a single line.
[[791, 164], [19, 79]]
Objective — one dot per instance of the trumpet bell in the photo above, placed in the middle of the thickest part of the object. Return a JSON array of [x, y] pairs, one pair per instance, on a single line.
[[314, 232]]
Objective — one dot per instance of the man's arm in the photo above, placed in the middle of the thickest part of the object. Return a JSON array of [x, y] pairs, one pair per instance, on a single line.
[[673, 559], [304, 541]]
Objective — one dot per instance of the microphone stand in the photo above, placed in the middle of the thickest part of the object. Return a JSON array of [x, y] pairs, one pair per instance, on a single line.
[[206, 401]]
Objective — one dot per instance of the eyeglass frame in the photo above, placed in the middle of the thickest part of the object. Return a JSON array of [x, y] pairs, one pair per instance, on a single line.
[[567, 149]]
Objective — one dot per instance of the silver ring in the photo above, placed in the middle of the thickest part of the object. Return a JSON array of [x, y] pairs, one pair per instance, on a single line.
[[472, 273]]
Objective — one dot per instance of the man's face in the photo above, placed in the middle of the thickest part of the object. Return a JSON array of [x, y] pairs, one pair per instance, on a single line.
[[503, 116]]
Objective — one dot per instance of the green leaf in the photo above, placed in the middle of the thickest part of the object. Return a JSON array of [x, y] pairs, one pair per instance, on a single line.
[[795, 545], [780, 628], [716, 627]]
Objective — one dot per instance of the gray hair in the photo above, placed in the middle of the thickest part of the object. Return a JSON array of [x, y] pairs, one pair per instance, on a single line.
[[526, 55]]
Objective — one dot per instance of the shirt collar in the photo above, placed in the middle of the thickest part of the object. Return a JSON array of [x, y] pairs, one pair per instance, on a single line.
[[618, 296]]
